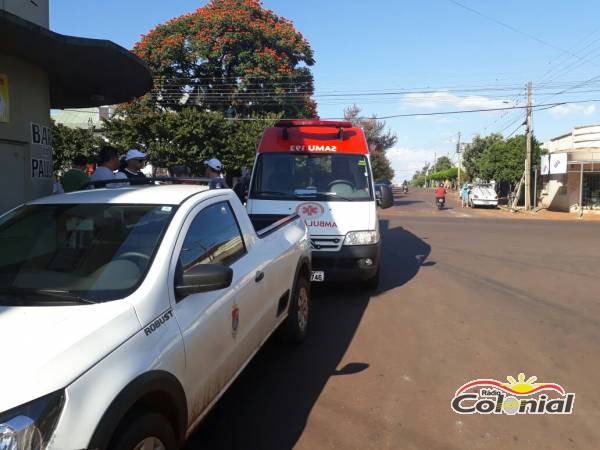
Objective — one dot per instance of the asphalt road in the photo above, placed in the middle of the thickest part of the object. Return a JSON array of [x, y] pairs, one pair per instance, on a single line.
[[463, 296]]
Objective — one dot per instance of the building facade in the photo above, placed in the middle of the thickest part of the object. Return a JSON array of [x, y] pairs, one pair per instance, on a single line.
[[41, 70], [578, 188]]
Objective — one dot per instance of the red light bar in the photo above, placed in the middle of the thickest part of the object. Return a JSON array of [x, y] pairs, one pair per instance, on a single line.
[[312, 123]]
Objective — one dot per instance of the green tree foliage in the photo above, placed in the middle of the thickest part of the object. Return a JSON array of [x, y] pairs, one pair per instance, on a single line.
[[443, 163], [69, 142], [188, 137], [473, 151], [379, 139], [505, 160], [443, 175], [231, 56], [380, 164], [418, 179]]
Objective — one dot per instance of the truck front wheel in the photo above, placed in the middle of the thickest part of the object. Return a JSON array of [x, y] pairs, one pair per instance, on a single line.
[[148, 431]]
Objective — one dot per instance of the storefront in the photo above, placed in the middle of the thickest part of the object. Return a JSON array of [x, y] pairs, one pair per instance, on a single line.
[[570, 173], [587, 173], [41, 70]]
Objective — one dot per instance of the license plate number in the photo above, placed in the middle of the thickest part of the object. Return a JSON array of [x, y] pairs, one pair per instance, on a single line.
[[318, 277]]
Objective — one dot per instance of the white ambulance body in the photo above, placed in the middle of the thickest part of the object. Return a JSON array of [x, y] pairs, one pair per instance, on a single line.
[[322, 171]]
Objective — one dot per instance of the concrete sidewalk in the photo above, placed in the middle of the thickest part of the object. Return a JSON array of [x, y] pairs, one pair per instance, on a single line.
[[504, 211]]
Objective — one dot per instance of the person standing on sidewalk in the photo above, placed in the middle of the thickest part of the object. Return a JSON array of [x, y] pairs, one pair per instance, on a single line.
[[464, 195], [76, 178], [213, 171], [134, 163], [108, 164]]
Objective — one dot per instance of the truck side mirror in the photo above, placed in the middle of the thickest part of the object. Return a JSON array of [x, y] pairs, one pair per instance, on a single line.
[[387, 197], [203, 278]]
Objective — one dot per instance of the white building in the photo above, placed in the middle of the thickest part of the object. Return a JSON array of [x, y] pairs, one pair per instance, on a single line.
[[577, 189]]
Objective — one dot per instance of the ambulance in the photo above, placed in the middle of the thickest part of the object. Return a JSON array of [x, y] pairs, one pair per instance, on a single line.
[[321, 170]]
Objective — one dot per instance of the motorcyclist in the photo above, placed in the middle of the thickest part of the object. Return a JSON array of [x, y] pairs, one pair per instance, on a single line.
[[440, 192], [405, 187]]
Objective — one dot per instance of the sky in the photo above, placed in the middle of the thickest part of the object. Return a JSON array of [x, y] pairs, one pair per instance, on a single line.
[[394, 57]]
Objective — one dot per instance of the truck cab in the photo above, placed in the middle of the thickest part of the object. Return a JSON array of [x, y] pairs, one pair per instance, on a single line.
[[321, 170]]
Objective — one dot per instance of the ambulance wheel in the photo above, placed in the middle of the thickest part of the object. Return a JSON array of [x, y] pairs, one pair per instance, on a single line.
[[373, 282]]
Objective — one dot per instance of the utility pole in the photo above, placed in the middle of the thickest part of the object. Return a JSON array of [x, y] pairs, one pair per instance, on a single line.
[[459, 158], [529, 156], [434, 162]]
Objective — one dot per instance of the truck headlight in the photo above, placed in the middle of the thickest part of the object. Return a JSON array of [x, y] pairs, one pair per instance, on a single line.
[[362, 238], [30, 426]]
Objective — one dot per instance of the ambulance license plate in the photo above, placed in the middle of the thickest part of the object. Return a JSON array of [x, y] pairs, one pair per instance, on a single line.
[[317, 277]]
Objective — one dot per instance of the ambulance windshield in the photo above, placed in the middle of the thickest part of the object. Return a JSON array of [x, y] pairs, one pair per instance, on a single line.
[[329, 177]]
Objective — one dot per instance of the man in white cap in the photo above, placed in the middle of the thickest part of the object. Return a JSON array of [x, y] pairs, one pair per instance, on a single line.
[[135, 162], [213, 171]]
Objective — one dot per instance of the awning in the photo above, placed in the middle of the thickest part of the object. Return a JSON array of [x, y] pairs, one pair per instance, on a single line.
[[82, 72]]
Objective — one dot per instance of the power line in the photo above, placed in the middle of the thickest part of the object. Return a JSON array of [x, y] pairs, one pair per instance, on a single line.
[[440, 113], [539, 107], [510, 27]]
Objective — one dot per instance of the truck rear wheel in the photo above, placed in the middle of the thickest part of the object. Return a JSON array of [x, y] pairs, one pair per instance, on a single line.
[[295, 327], [149, 431]]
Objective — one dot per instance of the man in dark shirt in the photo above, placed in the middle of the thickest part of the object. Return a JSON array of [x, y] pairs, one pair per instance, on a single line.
[[213, 171], [135, 162]]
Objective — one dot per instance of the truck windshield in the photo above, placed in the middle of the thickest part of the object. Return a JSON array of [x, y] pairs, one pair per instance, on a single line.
[[77, 253], [334, 177]]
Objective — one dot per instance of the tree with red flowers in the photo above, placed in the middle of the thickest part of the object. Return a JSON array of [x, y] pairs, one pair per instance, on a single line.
[[230, 56]]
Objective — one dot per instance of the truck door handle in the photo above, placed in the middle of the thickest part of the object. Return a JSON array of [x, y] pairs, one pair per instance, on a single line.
[[259, 276]]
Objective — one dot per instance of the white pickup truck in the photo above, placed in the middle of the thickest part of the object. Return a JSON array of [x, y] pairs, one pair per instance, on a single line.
[[126, 313]]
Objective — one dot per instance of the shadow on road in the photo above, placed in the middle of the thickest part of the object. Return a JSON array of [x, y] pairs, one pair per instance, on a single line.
[[403, 254], [268, 406], [406, 202]]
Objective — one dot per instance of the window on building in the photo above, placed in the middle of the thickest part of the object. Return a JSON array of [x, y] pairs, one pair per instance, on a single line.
[[591, 190]]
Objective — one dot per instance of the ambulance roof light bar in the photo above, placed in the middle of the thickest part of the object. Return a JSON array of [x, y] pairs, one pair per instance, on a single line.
[[285, 124]]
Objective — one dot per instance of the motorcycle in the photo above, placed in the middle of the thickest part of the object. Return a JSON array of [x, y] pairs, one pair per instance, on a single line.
[[440, 202], [405, 189]]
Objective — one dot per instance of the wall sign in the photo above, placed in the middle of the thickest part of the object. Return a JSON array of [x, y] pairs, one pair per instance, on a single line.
[[554, 164], [41, 160], [4, 99]]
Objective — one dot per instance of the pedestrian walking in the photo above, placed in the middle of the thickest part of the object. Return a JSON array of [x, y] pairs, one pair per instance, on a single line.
[[213, 171]]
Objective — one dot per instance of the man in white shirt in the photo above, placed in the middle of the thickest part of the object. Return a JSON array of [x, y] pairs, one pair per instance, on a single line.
[[109, 162]]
